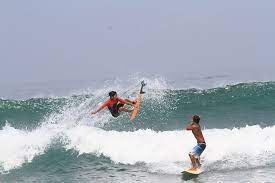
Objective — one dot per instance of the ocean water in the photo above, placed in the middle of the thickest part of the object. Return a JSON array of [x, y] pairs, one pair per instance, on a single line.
[[52, 138]]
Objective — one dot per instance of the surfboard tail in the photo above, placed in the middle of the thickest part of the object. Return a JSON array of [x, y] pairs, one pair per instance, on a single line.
[[138, 101], [141, 89], [136, 107]]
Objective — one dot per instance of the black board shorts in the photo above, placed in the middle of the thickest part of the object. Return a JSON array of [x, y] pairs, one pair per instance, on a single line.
[[114, 110]]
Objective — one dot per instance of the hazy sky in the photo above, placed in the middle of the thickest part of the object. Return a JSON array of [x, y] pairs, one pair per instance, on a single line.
[[82, 39]]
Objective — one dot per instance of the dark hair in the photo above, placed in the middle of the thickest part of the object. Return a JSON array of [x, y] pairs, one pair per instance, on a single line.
[[112, 93], [196, 118]]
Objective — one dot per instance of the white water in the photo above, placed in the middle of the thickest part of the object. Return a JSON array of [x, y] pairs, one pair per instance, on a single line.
[[165, 152], [247, 147], [18, 146]]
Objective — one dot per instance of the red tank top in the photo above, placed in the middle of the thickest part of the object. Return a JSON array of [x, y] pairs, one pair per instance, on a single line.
[[111, 103]]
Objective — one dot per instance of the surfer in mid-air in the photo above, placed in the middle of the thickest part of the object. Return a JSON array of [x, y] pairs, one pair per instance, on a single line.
[[199, 148], [115, 105]]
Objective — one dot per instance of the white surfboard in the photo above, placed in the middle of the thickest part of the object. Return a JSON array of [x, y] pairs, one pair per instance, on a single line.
[[192, 172]]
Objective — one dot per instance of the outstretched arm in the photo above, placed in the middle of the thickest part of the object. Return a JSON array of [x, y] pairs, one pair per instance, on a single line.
[[99, 109]]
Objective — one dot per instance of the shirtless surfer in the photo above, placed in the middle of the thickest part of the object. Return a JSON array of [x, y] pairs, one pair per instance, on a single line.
[[115, 105], [199, 148]]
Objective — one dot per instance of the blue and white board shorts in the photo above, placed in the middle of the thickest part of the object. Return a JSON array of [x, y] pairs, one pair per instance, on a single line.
[[198, 149]]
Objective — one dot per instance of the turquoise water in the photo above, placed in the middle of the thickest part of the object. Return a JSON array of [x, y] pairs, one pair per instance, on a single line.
[[54, 139]]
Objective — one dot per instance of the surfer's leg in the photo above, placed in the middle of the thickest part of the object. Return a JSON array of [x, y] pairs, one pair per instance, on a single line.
[[125, 110], [193, 161], [133, 102], [194, 156], [198, 164], [198, 151]]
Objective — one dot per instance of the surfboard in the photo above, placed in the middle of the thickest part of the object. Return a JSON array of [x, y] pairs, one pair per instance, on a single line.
[[138, 101], [136, 107], [192, 172], [189, 174]]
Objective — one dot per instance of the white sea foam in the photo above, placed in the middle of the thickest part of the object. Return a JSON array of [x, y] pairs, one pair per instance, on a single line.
[[19, 146], [164, 152], [247, 147]]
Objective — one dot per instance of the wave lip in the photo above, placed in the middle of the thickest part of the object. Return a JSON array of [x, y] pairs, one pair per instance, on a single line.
[[162, 108]]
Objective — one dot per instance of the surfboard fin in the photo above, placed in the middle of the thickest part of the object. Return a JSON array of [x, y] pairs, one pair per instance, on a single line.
[[141, 89]]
